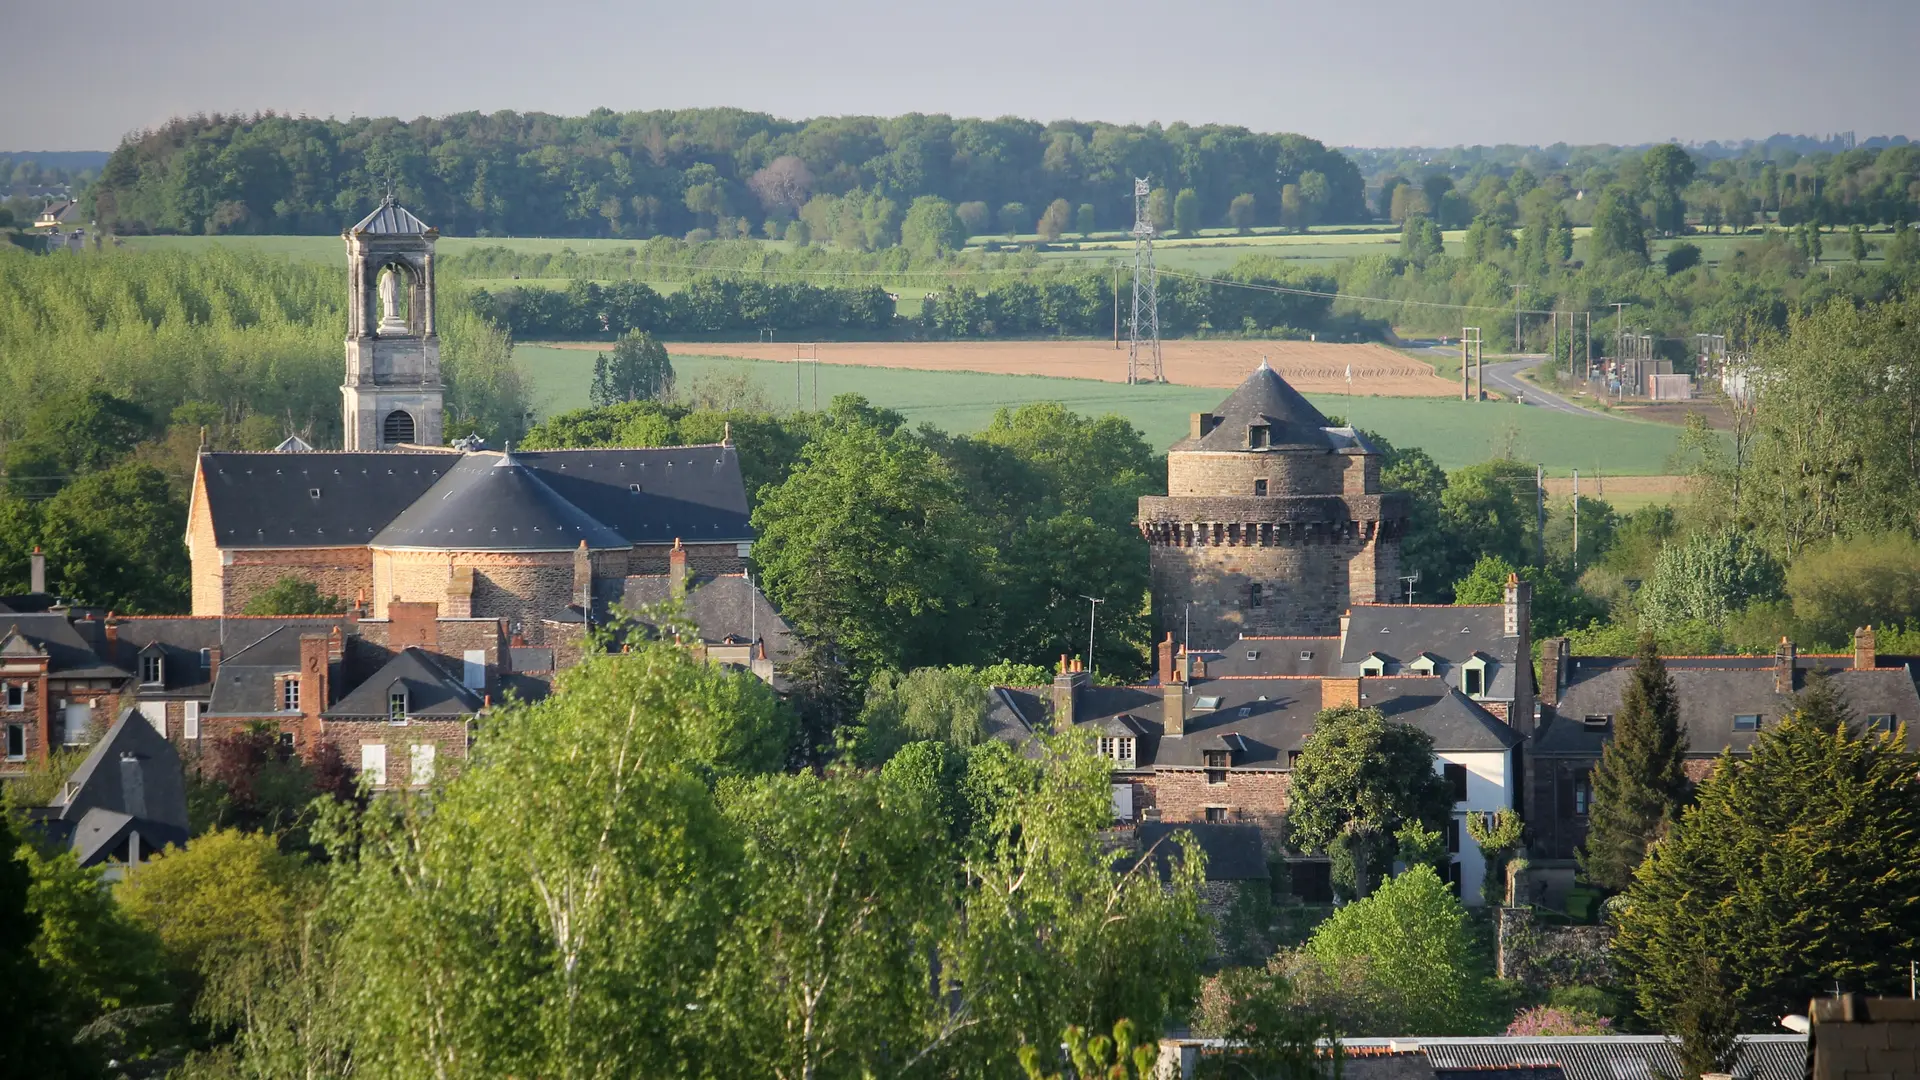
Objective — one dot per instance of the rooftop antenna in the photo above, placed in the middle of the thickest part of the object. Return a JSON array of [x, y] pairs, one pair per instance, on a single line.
[[1410, 580], [1093, 607], [1146, 294]]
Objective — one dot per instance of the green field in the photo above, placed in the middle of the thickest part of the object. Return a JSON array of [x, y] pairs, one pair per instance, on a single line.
[[1456, 433]]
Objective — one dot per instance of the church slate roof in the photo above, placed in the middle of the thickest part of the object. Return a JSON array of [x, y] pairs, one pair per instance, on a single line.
[[267, 500], [391, 219], [492, 502], [1265, 398]]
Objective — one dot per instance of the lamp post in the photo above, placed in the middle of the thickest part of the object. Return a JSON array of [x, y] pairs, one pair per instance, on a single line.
[[1093, 607]]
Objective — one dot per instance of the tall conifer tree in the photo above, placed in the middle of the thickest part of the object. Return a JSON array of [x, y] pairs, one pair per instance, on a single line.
[[1641, 781]]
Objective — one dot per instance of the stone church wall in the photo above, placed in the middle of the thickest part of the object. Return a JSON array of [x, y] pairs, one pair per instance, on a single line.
[[345, 572]]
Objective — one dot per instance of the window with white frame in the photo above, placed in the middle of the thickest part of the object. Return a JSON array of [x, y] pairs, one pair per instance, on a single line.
[[190, 720], [1117, 748], [1374, 666], [152, 669], [16, 696], [476, 669], [1473, 678], [16, 742], [290, 693], [420, 764], [373, 763]]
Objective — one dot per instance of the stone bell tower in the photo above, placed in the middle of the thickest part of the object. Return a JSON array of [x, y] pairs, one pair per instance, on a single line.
[[392, 394]]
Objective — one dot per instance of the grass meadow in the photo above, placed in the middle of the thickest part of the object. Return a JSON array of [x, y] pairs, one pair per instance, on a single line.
[[1455, 433]]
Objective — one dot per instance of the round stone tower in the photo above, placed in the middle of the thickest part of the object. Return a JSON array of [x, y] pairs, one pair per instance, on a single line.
[[1273, 522]]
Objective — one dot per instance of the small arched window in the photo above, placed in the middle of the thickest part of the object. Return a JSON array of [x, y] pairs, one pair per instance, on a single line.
[[398, 427]]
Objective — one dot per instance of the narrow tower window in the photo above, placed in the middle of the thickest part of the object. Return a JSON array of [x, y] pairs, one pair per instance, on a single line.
[[1259, 487], [398, 427]]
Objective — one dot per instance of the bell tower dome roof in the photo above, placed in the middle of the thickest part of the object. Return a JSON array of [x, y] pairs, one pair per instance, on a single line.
[[392, 219]]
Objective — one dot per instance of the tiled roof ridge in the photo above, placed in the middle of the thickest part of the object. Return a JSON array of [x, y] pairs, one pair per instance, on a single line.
[[675, 446], [1462, 607], [217, 618], [1285, 637], [1248, 678], [412, 448]]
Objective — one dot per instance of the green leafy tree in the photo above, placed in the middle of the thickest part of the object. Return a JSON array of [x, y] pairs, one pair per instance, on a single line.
[[1013, 218], [1794, 869], [1186, 212], [974, 217], [869, 544], [932, 228], [1736, 207], [292, 595], [1867, 580], [1641, 781], [1681, 257], [639, 370], [1055, 220], [67, 435], [1096, 1058], [113, 538], [1498, 836], [1856, 244], [95, 959], [1420, 239], [1708, 577], [1668, 169], [37, 1045], [1487, 239], [1241, 212], [944, 704], [1084, 220], [1160, 210], [1618, 230], [1413, 935], [1359, 781]]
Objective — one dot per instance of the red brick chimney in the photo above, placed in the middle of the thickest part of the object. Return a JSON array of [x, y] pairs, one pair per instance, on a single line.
[[315, 668], [113, 635], [1165, 657], [1555, 664], [213, 663], [677, 569], [1864, 656], [1783, 663]]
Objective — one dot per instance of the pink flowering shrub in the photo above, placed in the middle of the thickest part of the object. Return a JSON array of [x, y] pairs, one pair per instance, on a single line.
[[1552, 1020]]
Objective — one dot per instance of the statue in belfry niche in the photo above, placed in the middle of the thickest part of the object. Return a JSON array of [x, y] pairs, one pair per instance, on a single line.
[[392, 395], [392, 321]]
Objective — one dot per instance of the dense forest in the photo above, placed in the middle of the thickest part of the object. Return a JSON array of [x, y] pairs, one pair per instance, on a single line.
[[668, 172]]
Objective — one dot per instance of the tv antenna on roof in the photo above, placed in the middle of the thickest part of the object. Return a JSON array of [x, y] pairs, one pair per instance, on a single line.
[[1410, 580]]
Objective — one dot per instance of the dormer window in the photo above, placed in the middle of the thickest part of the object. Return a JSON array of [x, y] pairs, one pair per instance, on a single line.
[[1257, 436], [206, 659], [152, 671], [397, 705], [1374, 666], [1421, 665], [1473, 677], [1117, 749], [1306, 654], [1216, 759], [1252, 655]]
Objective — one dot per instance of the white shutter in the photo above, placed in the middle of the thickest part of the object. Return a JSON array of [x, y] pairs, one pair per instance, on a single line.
[[373, 763], [192, 720], [1123, 802], [156, 714], [420, 765], [476, 669]]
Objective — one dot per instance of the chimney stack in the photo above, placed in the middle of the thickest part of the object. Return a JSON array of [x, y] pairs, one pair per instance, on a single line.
[[1066, 694], [1783, 663], [213, 663], [1165, 658], [1173, 700], [677, 570], [37, 575], [1864, 656], [1555, 660], [1518, 602], [583, 578], [113, 634]]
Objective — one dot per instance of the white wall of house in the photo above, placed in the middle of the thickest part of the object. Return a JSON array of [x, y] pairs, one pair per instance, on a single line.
[[1489, 788]]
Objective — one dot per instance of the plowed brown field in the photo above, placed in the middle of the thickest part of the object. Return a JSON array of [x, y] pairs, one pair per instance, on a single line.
[[1312, 367]]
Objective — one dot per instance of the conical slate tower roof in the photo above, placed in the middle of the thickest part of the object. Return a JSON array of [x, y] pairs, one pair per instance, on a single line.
[[391, 219], [1264, 398], [491, 502]]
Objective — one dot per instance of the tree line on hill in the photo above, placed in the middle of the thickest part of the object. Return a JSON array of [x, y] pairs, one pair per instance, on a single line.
[[726, 171]]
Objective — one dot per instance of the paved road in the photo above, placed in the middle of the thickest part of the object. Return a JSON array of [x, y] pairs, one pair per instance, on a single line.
[[1504, 376]]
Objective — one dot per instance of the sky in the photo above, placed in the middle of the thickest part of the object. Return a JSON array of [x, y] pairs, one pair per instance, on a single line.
[[1374, 73]]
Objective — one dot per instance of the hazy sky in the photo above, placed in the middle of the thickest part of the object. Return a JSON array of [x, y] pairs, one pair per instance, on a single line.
[[1371, 73]]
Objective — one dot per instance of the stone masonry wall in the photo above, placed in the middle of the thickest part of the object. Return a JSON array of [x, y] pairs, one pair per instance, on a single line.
[[701, 559], [33, 717], [448, 737], [1248, 795], [1304, 588], [345, 572], [1287, 472]]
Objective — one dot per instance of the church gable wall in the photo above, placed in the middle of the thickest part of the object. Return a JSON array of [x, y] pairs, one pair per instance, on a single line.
[[345, 572]]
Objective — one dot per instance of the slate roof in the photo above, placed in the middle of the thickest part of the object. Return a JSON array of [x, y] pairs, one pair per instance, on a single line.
[[181, 637], [432, 693], [245, 684], [68, 654], [722, 608], [1260, 722], [691, 493], [1234, 852], [1607, 1057], [1270, 656], [130, 781], [391, 219], [491, 502], [1265, 398], [266, 500], [1710, 697], [1402, 632]]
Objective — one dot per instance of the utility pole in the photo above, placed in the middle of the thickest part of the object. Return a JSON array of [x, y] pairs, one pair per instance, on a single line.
[[1540, 510], [1516, 320], [1116, 304], [1093, 606]]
